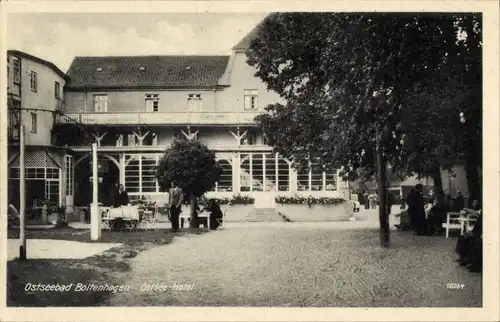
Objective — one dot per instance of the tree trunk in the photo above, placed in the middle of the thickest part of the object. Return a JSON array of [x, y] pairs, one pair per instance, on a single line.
[[438, 182], [473, 181], [382, 191], [192, 208]]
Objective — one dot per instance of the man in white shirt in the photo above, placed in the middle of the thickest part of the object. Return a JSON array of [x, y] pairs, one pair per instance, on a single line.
[[175, 198]]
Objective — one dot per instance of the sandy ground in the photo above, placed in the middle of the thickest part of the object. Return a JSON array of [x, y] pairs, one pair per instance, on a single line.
[[56, 249], [300, 264]]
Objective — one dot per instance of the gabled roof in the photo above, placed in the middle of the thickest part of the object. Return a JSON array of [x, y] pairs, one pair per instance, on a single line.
[[244, 43], [38, 60], [124, 72]]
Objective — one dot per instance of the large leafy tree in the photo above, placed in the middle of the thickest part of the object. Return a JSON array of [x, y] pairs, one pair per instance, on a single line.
[[351, 82], [193, 166]]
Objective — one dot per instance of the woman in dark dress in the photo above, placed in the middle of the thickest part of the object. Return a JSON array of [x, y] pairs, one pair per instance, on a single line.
[[416, 212], [469, 245], [215, 214]]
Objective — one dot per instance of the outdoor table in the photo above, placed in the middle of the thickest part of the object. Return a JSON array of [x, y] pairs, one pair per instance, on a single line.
[[131, 215], [202, 214]]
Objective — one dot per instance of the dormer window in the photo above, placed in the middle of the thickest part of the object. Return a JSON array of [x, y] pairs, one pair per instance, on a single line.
[[99, 69]]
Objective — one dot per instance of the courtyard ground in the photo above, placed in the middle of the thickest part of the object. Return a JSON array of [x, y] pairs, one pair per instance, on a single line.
[[292, 264], [257, 264]]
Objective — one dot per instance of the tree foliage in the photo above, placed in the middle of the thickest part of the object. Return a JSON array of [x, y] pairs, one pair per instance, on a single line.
[[192, 165], [350, 78]]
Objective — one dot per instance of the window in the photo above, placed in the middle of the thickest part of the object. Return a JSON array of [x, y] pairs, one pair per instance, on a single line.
[[251, 99], [249, 139], [152, 102], [194, 101], [100, 103], [57, 90], [16, 62], [34, 124], [140, 173], [33, 81]]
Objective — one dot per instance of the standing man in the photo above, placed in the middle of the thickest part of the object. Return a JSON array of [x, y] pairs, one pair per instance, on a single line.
[[121, 198], [416, 212], [175, 198]]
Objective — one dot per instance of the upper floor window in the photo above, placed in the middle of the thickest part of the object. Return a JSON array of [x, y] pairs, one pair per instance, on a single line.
[[34, 122], [57, 90], [194, 101], [100, 103], [16, 63], [249, 139], [33, 81], [251, 99], [152, 102]]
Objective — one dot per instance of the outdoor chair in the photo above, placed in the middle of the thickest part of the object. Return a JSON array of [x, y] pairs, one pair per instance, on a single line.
[[106, 220], [150, 218], [221, 221]]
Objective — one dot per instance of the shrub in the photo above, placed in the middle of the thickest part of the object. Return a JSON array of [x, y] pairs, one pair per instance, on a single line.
[[234, 200]]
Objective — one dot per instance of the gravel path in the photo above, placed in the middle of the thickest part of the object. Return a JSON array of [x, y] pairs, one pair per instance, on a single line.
[[300, 265]]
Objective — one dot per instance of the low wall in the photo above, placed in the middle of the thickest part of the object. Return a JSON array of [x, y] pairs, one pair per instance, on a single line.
[[315, 213]]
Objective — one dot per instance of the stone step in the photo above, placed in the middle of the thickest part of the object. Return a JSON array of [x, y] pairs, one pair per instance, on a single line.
[[264, 215]]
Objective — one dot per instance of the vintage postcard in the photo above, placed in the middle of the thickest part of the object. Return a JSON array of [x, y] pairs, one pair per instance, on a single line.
[[248, 161]]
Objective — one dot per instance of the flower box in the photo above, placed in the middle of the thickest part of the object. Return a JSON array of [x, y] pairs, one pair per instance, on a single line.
[[303, 213], [311, 209]]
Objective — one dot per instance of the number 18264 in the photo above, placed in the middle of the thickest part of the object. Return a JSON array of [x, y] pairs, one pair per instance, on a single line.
[[455, 286]]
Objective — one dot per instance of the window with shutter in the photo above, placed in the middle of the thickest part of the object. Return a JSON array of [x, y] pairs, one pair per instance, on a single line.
[[194, 101], [100, 103], [152, 102]]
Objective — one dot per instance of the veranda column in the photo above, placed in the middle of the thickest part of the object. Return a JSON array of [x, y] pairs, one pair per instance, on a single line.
[[95, 216], [236, 172], [122, 169]]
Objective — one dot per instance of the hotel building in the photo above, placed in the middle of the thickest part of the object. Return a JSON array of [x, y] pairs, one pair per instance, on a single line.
[[135, 107]]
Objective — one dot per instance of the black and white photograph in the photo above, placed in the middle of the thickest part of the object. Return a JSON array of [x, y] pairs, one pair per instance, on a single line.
[[272, 159]]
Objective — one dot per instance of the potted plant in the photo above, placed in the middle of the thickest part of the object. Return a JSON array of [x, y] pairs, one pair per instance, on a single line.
[[309, 208]]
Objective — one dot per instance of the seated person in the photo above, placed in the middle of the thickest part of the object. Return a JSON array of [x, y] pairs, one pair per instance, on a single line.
[[437, 216], [469, 245], [215, 214]]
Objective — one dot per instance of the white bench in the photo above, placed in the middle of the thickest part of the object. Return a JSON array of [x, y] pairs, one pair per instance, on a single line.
[[458, 221], [452, 222]]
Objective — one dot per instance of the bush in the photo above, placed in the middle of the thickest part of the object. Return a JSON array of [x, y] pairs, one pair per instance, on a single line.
[[234, 200], [310, 200]]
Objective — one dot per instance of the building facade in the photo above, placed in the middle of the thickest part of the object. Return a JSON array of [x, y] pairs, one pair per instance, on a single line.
[[34, 97], [135, 107]]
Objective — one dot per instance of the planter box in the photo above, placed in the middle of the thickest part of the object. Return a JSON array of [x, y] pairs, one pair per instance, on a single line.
[[302, 213], [237, 213]]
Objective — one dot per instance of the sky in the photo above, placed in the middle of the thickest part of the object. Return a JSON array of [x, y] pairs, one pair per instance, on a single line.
[[58, 37]]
